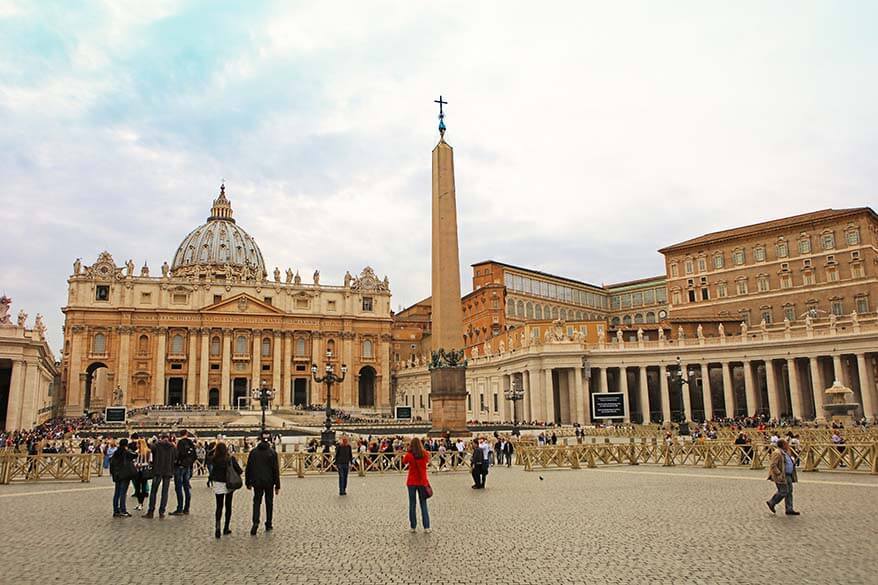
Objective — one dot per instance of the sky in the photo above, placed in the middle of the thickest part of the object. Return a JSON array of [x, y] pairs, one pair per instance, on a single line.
[[587, 135]]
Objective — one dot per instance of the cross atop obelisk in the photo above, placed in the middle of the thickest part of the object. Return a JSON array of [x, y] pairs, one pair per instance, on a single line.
[[441, 103]]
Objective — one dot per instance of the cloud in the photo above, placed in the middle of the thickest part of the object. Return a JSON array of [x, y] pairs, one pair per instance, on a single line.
[[587, 135]]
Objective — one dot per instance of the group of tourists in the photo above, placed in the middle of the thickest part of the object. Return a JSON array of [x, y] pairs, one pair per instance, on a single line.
[[48, 432]]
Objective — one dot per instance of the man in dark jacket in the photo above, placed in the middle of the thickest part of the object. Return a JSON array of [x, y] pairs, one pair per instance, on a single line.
[[261, 475], [343, 457], [163, 457], [185, 459], [478, 463]]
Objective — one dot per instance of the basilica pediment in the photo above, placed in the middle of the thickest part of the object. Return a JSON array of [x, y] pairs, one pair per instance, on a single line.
[[242, 304]]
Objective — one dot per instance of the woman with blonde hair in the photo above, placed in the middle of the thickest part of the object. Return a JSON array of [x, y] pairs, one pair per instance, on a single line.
[[417, 483]]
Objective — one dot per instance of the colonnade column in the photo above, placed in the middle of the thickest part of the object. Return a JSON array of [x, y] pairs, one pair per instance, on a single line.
[[838, 370], [603, 386], [728, 390], [643, 385], [706, 395], [526, 413], [286, 384], [795, 389], [226, 371], [773, 395], [817, 388], [204, 368], [16, 394], [255, 358], [158, 388], [534, 393], [28, 416], [867, 388], [277, 343], [750, 389], [549, 389], [665, 395], [623, 386], [581, 398], [686, 391]]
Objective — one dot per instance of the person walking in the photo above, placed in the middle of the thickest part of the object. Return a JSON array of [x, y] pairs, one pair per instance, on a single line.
[[122, 471], [219, 474], [142, 465], [477, 465], [343, 457], [417, 483], [185, 459], [163, 456], [508, 450], [262, 476], [782, 472]]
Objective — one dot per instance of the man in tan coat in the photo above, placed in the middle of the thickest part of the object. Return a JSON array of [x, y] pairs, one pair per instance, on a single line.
[[782, 472]]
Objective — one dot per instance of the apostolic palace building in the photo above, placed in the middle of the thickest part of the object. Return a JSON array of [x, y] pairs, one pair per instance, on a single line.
[[214, 324]]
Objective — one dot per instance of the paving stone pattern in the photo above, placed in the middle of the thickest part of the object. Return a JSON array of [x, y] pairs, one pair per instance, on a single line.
[[619, 525]]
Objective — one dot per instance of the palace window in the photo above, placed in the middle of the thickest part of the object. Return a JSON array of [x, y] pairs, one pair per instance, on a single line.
[[241, 345], [721, 290], [529, 308], [661, 295], [510, 308], [102, 292], [626, 320], [688, 266], [789, 313], [857, 270], [650, 317], [852, 237], [828, 240], [766, 315], [762, 284], [215, 345], [783, 250], [691, 295], [266, 346], [705, 294], [808, 277], [702, 265], [738, 256], [648, 297], [862, 304], [675, 297], [367, 348], [99, 344], [674, 271], [805, 246], [538, 312], [637, 299], [786, 281], [519, 308], [741, 286], [837, 308], [177, 343], [759, 254], [563, 315], [719, 261], [832, 274], [367, 304], [616, 301]]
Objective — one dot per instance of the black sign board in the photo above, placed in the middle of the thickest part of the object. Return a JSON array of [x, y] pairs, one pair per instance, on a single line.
[[403, 412], [115, 414], [608, 405]]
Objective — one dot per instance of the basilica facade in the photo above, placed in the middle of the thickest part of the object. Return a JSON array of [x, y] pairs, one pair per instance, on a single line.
[[215, 324]]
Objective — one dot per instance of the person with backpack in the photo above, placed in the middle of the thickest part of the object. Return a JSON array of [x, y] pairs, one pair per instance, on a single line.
[[185, 459], [417, 483], [122, 471], [263, 476], [225, 475]]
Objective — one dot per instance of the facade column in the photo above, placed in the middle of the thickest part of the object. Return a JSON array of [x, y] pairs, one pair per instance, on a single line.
[[643, 386], [686, 392], [255, 358], [773, 394], [665, 395], [817, 388], [191, 395], [838, 370], [124, 361], [158, 388], [317, 356], [867, 388], [382, 398], [204, 368], [286, 387], [603, 385], [707, 397], [16, 395], [74, 369], [526, 413], [226, 371], [346, 392], [623, 387], [728, 390], [750, 389], [534, 393], [795, 389], [582, 410], [550, 395], [276, 351]]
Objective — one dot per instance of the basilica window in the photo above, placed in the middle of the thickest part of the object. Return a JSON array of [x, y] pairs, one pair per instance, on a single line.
[[215, 345], [143, 344], [99, 344], [330, 347], [241, 345], [367, 304], [661, 295], [266, 346], [648, 297], [300, 346], [554, 312], [367, 348], [145, 298], [177, 343], [102, 292], [510, 308], [615, 322], [179, 298]]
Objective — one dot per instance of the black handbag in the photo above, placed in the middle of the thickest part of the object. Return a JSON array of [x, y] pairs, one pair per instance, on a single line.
[[233, 478], [147, 472]]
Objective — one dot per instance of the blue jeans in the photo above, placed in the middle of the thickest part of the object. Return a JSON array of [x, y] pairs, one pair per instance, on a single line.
[[425, 513], [343, 470], [165, 481], [784, 492], [182, 475], [119, 496]]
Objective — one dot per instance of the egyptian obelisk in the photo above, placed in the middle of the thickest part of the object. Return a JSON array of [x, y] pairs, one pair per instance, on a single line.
[[447, 376]]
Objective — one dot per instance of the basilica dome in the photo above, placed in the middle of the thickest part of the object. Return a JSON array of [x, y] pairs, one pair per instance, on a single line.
[[219, 247]]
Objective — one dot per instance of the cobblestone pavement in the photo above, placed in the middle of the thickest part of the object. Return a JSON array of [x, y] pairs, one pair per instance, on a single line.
[[612, 525]]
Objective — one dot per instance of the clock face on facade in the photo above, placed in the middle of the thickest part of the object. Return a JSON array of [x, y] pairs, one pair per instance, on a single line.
[[662, 314]]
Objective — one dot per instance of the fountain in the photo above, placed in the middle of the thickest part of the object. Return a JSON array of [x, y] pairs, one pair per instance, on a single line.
[[839, 404]]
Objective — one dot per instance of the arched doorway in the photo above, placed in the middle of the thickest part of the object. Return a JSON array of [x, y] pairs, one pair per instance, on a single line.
[[367, 386], [95, 380], [239, 390], [175, 392], [213, 397]]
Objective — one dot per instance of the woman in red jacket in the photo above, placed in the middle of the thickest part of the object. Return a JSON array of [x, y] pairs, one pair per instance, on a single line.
[[417, 459]]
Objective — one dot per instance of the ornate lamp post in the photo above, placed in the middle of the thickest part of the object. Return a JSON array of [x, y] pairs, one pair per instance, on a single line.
[[678, 376], [515, 393], [327, 437], [264, 395]]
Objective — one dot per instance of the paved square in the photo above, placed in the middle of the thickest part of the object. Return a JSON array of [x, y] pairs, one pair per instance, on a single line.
[[610, 525]]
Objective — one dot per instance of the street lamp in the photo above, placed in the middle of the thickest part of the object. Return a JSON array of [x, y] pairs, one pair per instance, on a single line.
[[264, 395], [327, 437], [515, 393], [683, 380]]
